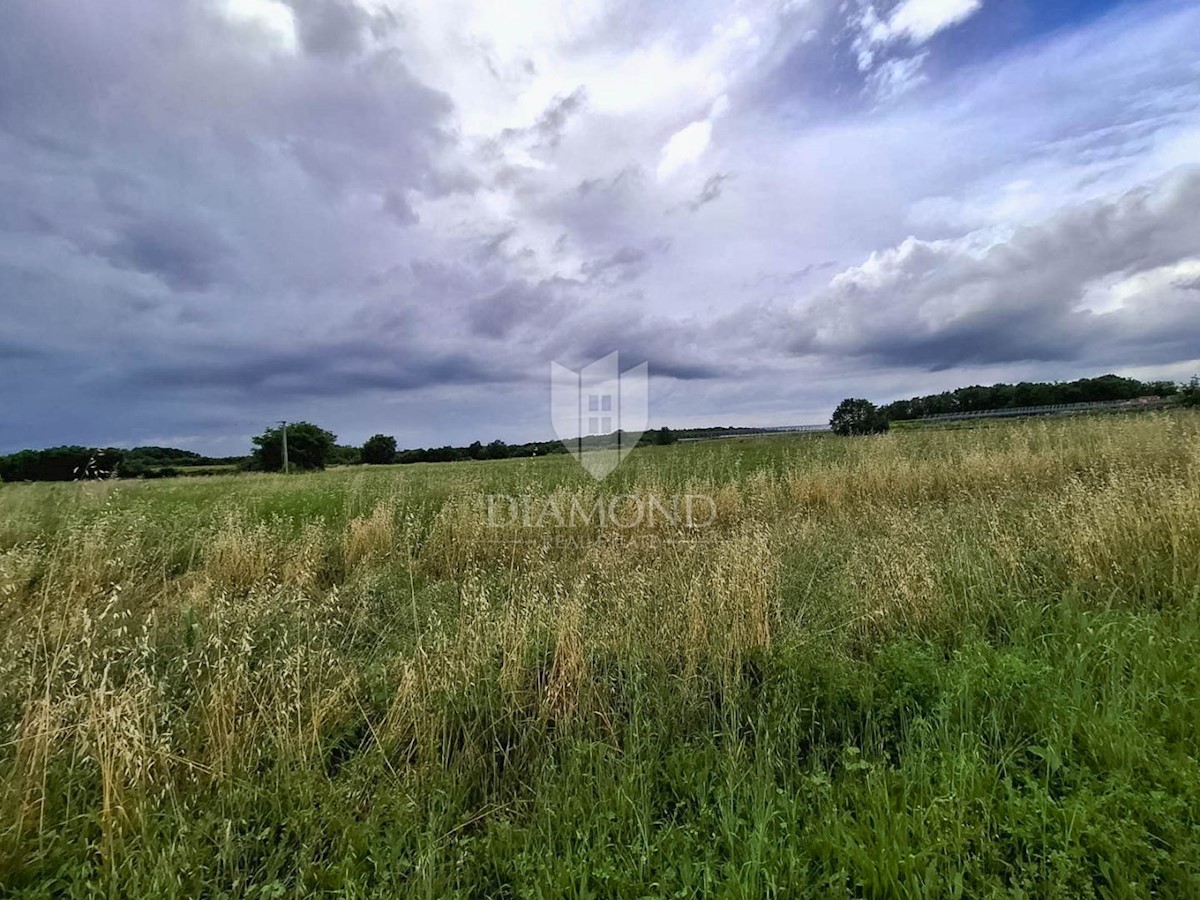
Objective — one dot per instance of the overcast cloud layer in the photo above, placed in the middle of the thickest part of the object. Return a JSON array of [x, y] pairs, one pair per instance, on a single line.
[[391, 216]]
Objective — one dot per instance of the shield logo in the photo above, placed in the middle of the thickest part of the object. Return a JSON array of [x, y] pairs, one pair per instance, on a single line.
[[599, 412]]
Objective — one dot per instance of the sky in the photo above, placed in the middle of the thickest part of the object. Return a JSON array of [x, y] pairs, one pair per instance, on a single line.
[[392, 216]]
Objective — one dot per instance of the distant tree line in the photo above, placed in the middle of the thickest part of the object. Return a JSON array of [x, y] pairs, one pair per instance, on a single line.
[[500, 450], [311, 447], [1027, 393], [496, 449], [859, 416], [73, 463]]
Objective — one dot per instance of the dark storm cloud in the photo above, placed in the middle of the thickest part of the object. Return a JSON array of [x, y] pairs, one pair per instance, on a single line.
[[682, 350], [673, 366], [497, 314], [521, 325], [254, 185], [669, 350], [15, 351], [320, 369], [188, 112], [988, 337], [184, 254]]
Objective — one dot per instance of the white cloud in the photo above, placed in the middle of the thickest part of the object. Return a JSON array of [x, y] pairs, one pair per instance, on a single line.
[[271, 16], [897, 76], [913, 22], [1115, 278], [919, 20], [684, 148], [1119, 292]]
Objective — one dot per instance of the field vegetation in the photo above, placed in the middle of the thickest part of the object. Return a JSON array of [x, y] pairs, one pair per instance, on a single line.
[[929, 663]]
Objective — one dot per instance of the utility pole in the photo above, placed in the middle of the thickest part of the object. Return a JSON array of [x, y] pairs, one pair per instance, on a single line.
[[285, 458]]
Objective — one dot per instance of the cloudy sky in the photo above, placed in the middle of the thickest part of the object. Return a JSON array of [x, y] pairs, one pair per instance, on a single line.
[[390, 215]]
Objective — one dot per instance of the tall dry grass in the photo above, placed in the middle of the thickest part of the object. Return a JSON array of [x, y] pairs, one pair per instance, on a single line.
[[161, 640]]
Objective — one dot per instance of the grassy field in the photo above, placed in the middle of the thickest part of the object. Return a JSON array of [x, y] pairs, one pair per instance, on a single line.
[[945, 663]]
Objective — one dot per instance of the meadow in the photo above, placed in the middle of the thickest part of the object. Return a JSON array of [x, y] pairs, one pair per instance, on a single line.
[[955, 663]]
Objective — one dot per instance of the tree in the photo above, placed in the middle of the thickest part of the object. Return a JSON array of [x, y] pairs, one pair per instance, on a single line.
[[857, 416], [1189, 394], [380, 449], [664, 436], [309, 447]]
